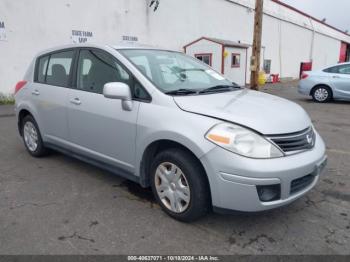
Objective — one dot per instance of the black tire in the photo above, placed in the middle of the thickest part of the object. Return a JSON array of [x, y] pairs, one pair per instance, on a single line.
[[200, 202], [323, 89], [40, 150]]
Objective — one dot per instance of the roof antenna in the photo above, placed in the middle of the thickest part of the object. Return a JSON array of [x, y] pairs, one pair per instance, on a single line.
[[156, 2]]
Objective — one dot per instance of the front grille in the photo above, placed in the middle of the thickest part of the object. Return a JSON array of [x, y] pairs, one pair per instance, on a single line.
[[297, 141], [301, 183]]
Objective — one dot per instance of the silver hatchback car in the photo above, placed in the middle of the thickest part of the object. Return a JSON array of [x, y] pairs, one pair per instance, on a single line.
[[168, 121], [327, 84]]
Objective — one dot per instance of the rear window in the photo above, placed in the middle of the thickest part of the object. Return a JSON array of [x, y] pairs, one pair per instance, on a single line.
[[54, 69]]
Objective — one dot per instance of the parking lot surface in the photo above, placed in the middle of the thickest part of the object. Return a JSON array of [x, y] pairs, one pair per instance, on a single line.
[[59, 205]]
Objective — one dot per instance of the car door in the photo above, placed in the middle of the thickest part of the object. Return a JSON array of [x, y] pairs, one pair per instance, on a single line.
[[99, 127], [340, 78], [50, 91]]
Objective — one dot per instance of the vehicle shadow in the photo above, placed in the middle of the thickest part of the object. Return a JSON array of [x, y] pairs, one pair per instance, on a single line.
[[144, 194], [238, 223], [335, 102]]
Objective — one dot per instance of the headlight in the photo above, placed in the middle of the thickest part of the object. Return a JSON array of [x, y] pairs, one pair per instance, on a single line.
[[242, 141]]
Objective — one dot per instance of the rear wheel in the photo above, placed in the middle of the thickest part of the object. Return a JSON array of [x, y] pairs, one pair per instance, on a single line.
[[32, 137], [180, 185], [321, 94]]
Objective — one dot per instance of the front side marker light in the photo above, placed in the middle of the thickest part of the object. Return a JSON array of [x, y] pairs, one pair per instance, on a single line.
[[219, 139]]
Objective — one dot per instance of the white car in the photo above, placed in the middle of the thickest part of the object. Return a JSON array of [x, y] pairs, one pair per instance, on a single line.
[[168, 121], [327, 84]]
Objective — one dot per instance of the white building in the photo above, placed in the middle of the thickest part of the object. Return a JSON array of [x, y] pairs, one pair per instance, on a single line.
[[289, 36], [227, 57]]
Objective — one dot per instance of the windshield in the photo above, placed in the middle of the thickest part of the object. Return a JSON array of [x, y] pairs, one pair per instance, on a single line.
[[174, 71]]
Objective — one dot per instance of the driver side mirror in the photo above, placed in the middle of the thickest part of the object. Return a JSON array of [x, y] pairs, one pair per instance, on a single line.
[[119, 90]]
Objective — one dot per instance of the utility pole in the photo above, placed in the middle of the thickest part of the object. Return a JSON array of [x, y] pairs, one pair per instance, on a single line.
[[255, 59]]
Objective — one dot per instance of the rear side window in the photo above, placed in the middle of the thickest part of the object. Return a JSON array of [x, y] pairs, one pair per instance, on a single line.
[[340, 69], [54, 69], [333, 69], [42, 67], [58, 71]]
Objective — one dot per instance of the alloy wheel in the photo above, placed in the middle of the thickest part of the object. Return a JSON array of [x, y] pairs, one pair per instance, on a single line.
[[321, 94], [30, 136]]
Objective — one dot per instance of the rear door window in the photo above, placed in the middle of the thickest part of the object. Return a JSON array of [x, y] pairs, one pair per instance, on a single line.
[[345, 69], [58, 71]]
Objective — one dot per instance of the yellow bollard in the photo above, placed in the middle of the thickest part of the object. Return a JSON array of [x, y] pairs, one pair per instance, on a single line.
[[262, 78]]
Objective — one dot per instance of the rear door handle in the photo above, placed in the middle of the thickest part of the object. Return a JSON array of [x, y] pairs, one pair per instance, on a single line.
[[336, 76], [35, 92], [75, 101]]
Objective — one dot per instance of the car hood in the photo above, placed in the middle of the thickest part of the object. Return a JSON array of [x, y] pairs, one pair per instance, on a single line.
[[262, 112]]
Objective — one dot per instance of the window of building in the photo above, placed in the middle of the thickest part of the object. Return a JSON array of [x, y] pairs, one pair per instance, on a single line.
[[267, 66], [236, 60], [205, 58], [58, 71]]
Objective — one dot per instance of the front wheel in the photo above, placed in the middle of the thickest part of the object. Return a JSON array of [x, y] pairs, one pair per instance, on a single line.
[[321, 94], [180, 185]]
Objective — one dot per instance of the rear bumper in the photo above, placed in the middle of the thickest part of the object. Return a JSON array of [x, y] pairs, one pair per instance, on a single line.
[[234, 179], [304, 87]]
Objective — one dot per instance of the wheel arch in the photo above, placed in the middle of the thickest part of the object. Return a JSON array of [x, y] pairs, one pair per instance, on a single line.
[[24, 108], [320, 85], [153, 149], [21, 115]]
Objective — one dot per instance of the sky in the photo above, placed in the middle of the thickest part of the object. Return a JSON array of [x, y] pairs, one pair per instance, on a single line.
[[335, 11]]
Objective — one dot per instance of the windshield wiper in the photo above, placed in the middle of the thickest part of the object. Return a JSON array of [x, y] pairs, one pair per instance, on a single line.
[[181, 92], [219, 88], [191, 69]]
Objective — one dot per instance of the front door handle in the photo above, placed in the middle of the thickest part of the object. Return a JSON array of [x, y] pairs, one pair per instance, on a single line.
[[75, 101], [35, 92]]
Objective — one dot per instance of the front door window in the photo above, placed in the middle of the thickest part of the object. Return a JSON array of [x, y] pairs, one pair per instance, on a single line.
[[96, 68]]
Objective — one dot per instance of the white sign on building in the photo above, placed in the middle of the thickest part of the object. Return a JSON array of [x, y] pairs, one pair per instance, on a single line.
[[79, 36], [128, 38], [3, 36]]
